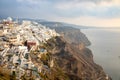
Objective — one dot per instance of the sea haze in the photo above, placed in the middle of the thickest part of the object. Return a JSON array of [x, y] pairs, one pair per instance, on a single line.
[[106, 49]]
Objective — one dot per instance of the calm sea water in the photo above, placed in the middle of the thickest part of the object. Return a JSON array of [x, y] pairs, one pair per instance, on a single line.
[[106, 49]]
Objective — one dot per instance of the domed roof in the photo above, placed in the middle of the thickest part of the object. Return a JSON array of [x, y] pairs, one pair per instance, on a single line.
[[9, 19]]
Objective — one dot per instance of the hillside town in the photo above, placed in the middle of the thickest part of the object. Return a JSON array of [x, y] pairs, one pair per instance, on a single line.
[[17, 41]]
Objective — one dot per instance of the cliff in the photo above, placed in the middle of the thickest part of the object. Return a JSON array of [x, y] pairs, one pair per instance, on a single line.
[[67, 62]]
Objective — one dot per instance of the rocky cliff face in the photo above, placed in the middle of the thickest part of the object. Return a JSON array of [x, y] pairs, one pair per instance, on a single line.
[[72, 35], [68, 62]]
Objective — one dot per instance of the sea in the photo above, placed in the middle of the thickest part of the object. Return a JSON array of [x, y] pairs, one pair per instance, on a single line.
[[106, 49]]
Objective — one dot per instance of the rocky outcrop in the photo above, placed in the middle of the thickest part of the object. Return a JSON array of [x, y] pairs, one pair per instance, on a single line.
[[73, 35], [71, 63]]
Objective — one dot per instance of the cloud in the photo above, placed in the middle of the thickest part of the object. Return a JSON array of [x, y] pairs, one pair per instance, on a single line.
[[75, 8], [98, 8], [86, 4], [71, 5], [32, 1]]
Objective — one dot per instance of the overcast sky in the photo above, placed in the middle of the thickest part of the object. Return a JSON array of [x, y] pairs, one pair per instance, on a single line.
[[104, 13]]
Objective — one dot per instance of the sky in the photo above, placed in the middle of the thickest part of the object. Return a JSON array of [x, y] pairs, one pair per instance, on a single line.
[[99, 13]]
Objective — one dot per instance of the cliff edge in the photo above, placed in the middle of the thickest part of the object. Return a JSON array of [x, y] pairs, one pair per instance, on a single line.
[[67, 62]]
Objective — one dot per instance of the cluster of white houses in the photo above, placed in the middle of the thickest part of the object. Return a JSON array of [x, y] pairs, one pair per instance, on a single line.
[[16, 42]]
